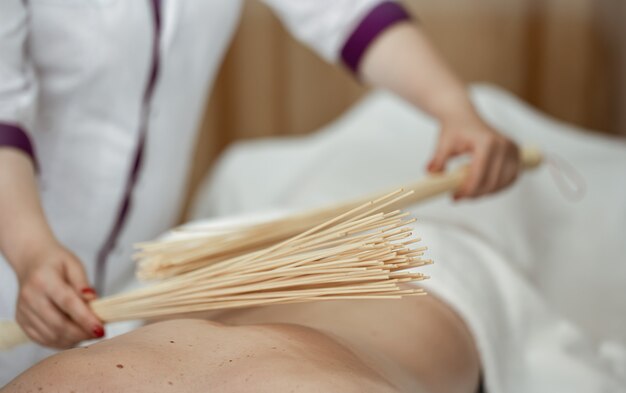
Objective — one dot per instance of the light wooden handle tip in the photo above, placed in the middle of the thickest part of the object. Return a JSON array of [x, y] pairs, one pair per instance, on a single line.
[[11, 335], [531, 157]]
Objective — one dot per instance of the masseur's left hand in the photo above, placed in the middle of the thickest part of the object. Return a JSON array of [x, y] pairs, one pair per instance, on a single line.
[[404, 61], [495, 160]]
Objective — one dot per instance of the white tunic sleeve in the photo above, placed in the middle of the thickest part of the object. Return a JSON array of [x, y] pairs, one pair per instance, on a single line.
[[18, 87], [338, 29]]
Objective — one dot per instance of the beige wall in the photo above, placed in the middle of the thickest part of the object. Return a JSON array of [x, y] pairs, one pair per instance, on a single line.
[[562, 56]]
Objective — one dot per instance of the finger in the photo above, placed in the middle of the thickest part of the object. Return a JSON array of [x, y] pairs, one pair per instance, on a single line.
[[66, 331], [26, 316], [442, 153], [514, 166], [34, 335], [88, 294], [508, 175], [68, 301], [77, 278], [476, 174], [495, 170], [49, 336], [52, 338], [32, 329]]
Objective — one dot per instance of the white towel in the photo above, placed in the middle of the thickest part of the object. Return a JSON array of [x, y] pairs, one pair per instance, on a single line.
[[539, 280]]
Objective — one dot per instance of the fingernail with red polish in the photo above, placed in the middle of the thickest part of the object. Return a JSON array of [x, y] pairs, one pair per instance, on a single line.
[[88, 291], [98, 331]]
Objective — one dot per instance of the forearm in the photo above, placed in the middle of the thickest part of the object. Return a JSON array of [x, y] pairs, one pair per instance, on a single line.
[[23, 226], [404, 61]]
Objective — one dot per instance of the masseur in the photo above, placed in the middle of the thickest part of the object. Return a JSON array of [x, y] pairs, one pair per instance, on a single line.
[[99, 104]]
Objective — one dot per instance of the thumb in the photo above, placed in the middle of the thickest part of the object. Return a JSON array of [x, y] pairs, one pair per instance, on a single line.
[[77, 279], [442, 153]]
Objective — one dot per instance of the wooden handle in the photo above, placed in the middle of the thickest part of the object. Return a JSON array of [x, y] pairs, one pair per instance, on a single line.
[[531, 157], [433, 185], [11, 335]]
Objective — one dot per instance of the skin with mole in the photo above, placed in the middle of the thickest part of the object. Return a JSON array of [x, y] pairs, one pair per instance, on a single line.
[[307, 348]]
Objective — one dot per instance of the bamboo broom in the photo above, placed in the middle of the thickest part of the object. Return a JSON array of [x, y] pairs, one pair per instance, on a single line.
[[355, 255], [363, 253], [167, 258]]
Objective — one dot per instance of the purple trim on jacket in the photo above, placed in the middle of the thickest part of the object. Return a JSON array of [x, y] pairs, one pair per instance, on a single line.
[[377, 20], [135, 169], [14, 136]]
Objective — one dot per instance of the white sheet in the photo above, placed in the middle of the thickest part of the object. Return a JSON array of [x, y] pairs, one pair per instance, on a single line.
[[539, 280]]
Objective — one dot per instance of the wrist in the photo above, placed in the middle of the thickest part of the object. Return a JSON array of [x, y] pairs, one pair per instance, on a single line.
[[463, 121], [452, 106], [29, 248]]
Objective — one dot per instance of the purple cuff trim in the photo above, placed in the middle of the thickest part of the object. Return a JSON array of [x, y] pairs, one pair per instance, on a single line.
[[377, 20], [16, 137]]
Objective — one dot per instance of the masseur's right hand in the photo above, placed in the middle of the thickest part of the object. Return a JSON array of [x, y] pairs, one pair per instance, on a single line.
[[52, 307]]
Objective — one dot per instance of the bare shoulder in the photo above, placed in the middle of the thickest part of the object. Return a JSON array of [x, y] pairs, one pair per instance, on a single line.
[[413, 339]]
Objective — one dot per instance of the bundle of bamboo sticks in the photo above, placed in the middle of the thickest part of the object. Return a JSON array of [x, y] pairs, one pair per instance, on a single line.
[[364, 253], [167, 258]]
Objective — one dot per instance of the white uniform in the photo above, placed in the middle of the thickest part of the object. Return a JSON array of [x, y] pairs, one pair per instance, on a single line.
[[109, 93]]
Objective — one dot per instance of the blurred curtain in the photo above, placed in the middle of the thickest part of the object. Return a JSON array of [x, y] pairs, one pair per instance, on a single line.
[[610, 16]]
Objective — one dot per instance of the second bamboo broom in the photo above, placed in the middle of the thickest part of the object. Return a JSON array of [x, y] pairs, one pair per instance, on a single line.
[[166, 258]]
